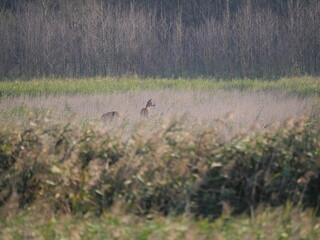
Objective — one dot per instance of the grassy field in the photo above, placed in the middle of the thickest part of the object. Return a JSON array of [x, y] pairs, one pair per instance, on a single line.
[[201, 101], [300, 86], [216, 160], [200, 109]]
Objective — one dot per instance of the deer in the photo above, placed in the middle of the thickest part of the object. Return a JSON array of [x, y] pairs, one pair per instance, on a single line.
[[146, 110], [110, 116]]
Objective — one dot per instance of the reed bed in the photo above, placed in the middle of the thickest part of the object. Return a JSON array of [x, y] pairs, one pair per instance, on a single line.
[[49, 166]]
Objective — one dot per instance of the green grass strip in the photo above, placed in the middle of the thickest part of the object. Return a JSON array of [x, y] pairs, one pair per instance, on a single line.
[[50, 86]]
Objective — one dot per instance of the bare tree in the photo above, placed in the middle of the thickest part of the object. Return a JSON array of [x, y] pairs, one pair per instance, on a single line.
[[64, 38]]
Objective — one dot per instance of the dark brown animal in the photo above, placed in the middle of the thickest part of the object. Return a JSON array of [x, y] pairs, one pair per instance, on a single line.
[[110, 116], [146, 110]]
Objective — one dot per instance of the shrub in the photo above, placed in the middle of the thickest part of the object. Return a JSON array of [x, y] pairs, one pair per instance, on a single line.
[[71, 168]]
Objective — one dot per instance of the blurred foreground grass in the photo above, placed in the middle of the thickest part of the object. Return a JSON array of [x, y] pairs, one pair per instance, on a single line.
[[299, 85], [270, 224]]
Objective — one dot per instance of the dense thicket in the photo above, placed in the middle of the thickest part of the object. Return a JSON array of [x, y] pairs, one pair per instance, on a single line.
[[172, 38], [76, 169]]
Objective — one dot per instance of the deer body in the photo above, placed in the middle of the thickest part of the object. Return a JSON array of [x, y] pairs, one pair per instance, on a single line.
[[110, 116], [146, 110]]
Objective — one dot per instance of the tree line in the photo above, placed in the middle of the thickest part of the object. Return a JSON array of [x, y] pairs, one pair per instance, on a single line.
[[211, 38]]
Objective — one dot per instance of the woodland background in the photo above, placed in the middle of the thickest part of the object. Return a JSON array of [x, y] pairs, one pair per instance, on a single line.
[[209, 38]]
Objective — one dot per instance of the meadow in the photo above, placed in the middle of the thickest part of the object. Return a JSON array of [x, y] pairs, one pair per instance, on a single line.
[[201, 109], [202, 100], [234, 159], [306, 85]]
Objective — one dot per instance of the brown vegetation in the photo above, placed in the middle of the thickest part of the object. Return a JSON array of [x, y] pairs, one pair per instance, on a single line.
[[60, 167]]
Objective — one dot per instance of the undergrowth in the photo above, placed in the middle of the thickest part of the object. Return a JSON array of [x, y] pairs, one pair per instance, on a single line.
[[65, 168], [268, 224]]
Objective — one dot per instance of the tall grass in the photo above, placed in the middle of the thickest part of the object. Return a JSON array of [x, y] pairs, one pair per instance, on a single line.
[[280, 223], [59, 167], [200, 109]]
